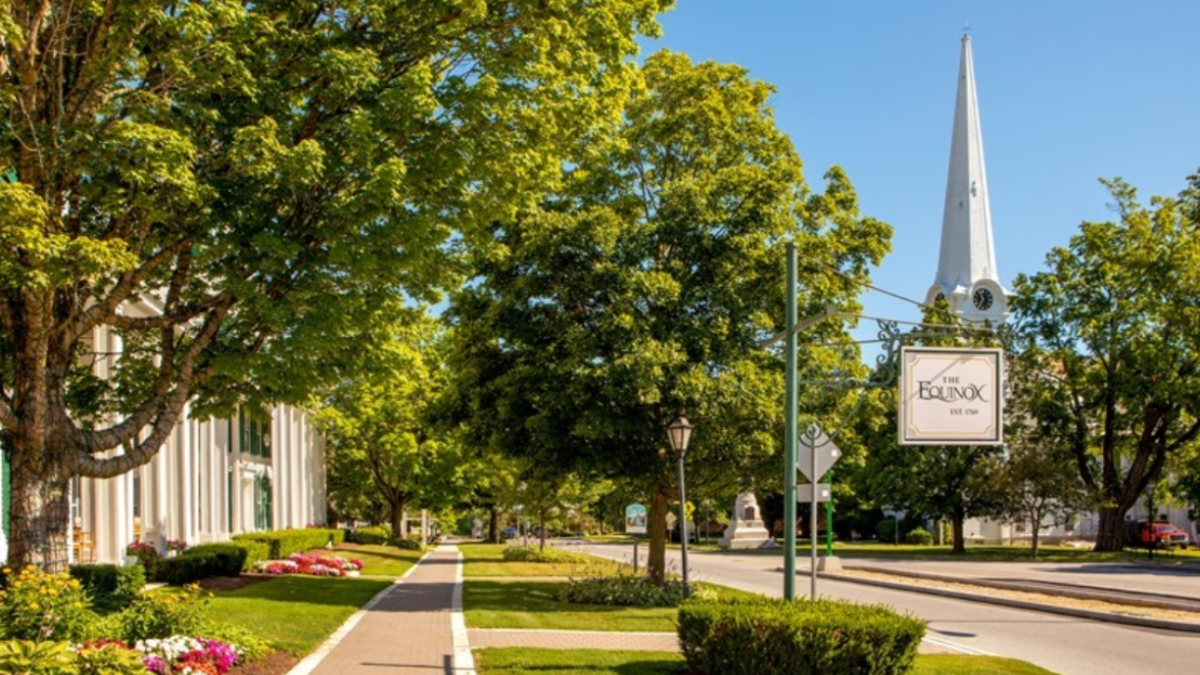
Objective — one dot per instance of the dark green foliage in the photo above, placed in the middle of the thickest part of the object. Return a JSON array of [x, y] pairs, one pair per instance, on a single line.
[[227, 559], [885, 531], [622, 591], [920, 537], [764, 636], [371, 535], [408, 544], [110, 586], [161, 616], [282, 543]]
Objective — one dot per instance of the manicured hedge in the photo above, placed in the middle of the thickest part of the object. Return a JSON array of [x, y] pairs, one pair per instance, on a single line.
[[371, 535], [765, 636], [226, 559], [110, 585], [283, 543]]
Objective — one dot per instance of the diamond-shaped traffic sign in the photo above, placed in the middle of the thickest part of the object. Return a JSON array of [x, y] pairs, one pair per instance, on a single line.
[[815, 441]]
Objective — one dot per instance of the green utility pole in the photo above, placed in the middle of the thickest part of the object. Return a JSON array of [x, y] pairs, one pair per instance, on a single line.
[[789, 434]]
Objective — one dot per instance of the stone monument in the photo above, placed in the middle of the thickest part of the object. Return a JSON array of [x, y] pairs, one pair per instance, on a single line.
[[746, 529]]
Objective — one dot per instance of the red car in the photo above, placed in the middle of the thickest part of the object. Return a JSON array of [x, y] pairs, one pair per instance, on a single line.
[[1163, 535]]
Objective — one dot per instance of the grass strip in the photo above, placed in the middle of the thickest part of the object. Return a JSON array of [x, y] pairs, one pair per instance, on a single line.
[[487, 560], [530, 604], [378, 560], [524, 661], [294, 613]]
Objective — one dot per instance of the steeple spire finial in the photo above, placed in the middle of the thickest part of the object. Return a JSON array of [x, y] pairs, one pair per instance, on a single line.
[[967, 261]]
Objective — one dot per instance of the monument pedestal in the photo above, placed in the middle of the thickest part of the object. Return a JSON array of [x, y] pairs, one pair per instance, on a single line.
[[746, 530]]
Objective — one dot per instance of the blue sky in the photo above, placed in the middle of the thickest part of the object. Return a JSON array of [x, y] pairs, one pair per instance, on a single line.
[[1069, 91]]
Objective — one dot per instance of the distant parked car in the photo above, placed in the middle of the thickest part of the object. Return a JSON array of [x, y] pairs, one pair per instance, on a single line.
[[1163, 535], [509, 532]]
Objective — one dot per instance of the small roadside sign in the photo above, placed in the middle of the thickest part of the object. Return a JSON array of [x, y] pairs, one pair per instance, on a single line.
[[635, 519]]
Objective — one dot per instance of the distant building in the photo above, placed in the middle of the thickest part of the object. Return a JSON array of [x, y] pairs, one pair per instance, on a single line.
[[211, 479]]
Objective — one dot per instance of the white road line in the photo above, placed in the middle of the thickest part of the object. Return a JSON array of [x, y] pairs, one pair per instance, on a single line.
[[954, 646]]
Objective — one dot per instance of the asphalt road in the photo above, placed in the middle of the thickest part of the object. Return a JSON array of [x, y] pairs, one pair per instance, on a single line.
[[1160, 579], [1065, 645]]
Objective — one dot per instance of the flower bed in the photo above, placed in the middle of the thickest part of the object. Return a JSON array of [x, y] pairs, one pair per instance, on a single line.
[[320, 566], [182, 654]]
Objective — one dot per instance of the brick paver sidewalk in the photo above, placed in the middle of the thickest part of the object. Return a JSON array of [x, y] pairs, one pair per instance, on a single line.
[[408, 632]]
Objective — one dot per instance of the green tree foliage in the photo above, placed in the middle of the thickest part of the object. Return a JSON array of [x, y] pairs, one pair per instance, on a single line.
[[383, 446], [937, 481], [1113, 327], [234, 191], [644, 286]]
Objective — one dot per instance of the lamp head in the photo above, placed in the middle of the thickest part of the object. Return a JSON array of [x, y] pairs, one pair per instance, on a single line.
[[680, 433]]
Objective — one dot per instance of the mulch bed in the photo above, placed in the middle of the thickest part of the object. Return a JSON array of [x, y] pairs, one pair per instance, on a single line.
[[233, 583], [275, 663]]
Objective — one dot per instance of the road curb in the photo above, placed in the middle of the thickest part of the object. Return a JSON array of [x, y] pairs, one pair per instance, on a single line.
[[1106, 617], [1066, 590]]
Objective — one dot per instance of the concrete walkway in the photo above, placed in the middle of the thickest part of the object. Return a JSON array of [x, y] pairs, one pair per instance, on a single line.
[[407, 630]]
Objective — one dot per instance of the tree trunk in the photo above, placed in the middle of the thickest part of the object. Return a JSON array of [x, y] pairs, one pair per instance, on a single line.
[[493, 534], [542, 529], [39, 510], [1111, 535], [957, 516], [656, 559], [398, 512]]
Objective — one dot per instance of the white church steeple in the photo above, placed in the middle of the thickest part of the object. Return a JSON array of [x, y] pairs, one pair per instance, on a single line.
[[967, 275]]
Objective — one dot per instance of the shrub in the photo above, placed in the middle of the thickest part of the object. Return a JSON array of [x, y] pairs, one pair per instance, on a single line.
[[37, 658], [251, 646], [107, 657], [110, 585], [372, 535], [409, 543], [282, 543], [885, 531], [146, 554], [39, 606], [161, 616], [920, 537], [767, 636], [538, 555], [625, 591]]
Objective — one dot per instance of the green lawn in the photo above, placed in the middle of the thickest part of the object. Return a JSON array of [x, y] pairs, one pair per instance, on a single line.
[[959, 664], [487, 560], [294, 613], [535, 604], [521, 661], [378, 561]]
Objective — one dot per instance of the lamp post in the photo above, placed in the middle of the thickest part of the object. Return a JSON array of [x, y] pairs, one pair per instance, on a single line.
[[680, 432]]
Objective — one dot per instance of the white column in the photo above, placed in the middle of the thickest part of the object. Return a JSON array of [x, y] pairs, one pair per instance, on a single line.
[[235, 486], [186, 506]]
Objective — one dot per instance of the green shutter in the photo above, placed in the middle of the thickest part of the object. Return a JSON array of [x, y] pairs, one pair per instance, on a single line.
[[255, 438]]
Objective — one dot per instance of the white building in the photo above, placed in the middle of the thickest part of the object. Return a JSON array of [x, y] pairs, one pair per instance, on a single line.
[[211, 479]]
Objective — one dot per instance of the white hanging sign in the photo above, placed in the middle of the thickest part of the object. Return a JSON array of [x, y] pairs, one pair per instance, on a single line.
[[951, 396]]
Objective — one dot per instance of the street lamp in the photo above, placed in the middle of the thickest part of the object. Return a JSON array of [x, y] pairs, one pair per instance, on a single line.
[[680, 432]]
